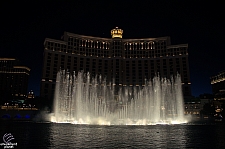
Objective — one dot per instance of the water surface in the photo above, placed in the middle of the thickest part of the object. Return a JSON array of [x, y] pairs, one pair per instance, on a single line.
[[54, 135]]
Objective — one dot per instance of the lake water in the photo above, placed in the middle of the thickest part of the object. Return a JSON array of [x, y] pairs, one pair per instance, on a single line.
[[29, 135]]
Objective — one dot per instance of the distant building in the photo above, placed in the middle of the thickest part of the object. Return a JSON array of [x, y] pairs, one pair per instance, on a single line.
[[30, 94], [206, 99], [201, 107], [218, 86], [192, 108], [218, 89], [13, 79], [128, 61]]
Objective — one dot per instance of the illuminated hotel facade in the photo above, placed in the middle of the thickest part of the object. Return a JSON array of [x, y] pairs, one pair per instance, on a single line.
[[129, 61], [13, 79]]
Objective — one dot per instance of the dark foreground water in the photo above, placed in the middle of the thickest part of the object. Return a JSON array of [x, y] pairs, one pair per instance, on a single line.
[[29, 135]]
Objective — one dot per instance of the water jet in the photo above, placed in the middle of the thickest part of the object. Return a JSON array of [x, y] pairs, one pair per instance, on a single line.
[[81, 99]]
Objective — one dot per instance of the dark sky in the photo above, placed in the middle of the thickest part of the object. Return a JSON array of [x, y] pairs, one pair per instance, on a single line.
[[24, 27]]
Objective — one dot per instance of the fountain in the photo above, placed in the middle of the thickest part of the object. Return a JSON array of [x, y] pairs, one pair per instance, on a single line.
[[80, 99]]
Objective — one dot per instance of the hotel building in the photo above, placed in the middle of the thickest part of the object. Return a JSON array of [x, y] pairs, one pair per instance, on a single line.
[[13, 79], [128, 61], [218, 86]]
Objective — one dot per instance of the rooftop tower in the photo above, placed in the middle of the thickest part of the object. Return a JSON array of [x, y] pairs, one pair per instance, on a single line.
[[117, 33]]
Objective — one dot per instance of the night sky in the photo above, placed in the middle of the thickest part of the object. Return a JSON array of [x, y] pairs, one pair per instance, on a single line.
[[24, 27]]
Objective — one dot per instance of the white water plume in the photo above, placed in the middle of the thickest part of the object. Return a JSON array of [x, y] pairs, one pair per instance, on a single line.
[[80, 99]]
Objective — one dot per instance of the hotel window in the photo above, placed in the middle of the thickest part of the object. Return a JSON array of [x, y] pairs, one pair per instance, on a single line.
[[49, 55], [62, 57], [48, 62], [56, 57]]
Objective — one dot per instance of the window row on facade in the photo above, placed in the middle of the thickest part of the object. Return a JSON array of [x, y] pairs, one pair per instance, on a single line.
[[105, 44], [123, 53], [148, 68]]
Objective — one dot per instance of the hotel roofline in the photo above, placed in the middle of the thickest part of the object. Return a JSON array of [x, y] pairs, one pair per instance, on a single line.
[[110, 39], [16, 66], [54, 40], [22, 67], [106, 39], [100, 38], [7, 59]]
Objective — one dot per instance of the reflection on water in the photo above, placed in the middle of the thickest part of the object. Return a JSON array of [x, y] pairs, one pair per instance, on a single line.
[[53, 135]]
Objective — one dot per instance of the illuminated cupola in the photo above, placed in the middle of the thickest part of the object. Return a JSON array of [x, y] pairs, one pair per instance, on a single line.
[[117, 33]]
